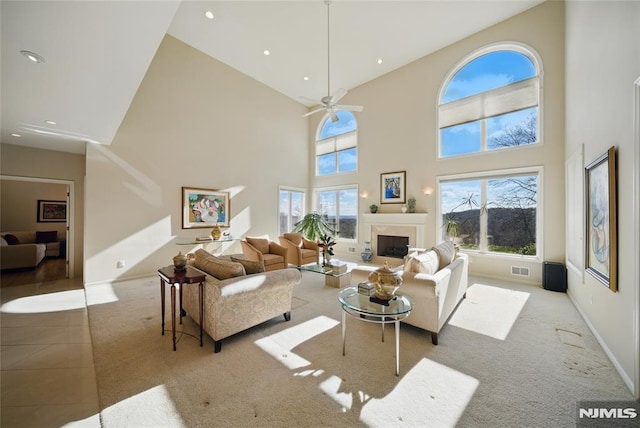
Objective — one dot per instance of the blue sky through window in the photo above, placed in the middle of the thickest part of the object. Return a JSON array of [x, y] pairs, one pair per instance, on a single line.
[[487, 72], [346, 123]]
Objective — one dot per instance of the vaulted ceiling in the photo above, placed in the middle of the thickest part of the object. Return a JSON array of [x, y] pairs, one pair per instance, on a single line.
[[96, 53]]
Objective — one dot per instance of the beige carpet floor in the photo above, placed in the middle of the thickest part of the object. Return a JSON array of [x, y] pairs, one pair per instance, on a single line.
[[511, 356]]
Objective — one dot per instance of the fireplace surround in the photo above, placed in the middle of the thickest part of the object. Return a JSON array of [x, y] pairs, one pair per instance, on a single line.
[[411, 226]]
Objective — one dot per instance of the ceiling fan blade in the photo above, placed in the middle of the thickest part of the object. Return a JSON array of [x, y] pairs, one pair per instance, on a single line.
[[313, 111], [334, 117], [338, 95], [348, 107]]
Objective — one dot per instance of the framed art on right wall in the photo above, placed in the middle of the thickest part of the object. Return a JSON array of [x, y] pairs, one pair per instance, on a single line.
[[601, 219]]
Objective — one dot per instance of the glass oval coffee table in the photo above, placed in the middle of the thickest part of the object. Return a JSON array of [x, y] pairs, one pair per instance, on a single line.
[[365, 308]]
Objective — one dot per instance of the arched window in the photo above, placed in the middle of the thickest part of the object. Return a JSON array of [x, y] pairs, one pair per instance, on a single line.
[[490, 101], [337, 144]]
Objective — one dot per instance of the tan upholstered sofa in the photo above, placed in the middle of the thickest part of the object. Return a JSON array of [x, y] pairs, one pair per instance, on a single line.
[[435, 280], [301, 251], [238, 294], [27, 249]]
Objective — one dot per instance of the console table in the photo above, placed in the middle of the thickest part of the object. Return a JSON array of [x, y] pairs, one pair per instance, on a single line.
[[168, 274]]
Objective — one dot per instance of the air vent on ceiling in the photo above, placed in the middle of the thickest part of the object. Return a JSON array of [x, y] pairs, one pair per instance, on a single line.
[[520, 271]]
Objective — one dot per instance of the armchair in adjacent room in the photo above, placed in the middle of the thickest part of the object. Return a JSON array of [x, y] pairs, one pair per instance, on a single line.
[[272, 254], [301, 250]]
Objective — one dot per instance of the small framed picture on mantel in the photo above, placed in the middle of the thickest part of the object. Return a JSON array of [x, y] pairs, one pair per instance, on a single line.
[[392, 187]]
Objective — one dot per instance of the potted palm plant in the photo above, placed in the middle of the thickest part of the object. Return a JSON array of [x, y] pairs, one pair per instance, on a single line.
[[313, 226]]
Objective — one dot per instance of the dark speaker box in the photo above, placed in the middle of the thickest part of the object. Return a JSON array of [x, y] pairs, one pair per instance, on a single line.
[[554, 277]]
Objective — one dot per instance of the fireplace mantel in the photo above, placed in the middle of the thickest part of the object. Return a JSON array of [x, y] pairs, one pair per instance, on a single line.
[[413, 225], [396, 218]]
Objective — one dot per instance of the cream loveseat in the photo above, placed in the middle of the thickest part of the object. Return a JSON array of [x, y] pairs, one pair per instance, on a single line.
[[27, 249], [238, 294], [436, 282]]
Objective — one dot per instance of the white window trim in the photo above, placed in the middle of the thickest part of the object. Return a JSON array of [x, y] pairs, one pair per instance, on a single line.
[[539, 170]]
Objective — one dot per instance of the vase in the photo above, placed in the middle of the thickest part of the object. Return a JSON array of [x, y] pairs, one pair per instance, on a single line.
[[215, 233], [367, 253], [403, 208], [180, 262]]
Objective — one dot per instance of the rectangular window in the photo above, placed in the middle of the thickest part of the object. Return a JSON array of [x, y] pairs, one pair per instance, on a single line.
[[291, 203], [493, 213], [339, 205]]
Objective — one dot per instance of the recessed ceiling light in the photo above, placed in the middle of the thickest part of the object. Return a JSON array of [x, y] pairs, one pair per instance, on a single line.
[[51, 122], [266, 52], [209, 14], [379, 60], [16, 135], [32, 56], [306, 77]]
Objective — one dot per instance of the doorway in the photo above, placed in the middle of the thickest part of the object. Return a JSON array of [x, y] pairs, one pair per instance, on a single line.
[[21, 199]]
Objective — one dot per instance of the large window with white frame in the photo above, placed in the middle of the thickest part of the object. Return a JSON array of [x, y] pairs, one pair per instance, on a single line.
[[291, 206], [494, 212], [337, 144], [490, 101], [339, 205]]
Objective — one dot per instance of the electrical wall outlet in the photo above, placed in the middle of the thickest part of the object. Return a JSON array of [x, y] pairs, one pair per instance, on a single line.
[[120, 264]]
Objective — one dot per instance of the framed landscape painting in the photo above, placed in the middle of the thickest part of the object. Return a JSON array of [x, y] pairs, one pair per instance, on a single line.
[[601, 219], [204, 208], [52, 211], [392, 187]]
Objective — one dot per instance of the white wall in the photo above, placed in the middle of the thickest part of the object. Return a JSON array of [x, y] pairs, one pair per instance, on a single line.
[[398, 132], [602, 63], [194, 122]]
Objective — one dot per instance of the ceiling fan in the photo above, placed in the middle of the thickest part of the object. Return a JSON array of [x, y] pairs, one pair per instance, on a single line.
[[329, 103]]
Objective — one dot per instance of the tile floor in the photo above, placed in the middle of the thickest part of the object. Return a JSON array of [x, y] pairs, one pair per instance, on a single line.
[[47, 376]]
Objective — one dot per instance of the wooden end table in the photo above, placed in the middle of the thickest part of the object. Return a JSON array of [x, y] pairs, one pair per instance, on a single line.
[[168, 274]]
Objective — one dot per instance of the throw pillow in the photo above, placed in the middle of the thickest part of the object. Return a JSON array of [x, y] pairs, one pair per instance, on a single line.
[[259, 244], [295, 238], [422, 263], [11, 239], [250, 266], [446, 252], [218, 268], [45, 237]]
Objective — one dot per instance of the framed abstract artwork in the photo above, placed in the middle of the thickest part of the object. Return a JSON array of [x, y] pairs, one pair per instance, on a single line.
[[52, 211], [204, 208], [392, 187], [601, 259]]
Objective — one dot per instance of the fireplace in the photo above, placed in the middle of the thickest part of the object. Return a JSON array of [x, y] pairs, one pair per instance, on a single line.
[[411, 227], [392, 246]]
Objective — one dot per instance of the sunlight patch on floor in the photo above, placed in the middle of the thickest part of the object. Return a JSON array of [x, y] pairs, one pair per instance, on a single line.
[[430, 394], [98, 294], [279, 345], [151, 408], [50, 302], [490, 311], [331, 387]]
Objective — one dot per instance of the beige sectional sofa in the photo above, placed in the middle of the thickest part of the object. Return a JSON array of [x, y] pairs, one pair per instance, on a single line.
[[238, 294], [435, 280], [27, 249]]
